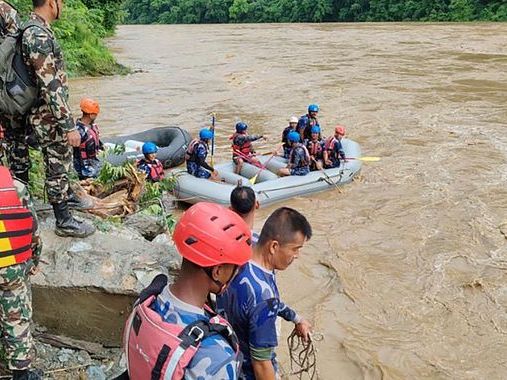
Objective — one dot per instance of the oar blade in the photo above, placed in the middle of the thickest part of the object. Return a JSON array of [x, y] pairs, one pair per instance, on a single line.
[[369, 159], [253, 179]]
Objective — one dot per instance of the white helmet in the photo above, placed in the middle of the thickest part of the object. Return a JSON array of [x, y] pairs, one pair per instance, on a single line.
[[293, 119]]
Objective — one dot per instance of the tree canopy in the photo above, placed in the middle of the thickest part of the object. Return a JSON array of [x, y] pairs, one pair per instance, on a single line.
[[252, 11]]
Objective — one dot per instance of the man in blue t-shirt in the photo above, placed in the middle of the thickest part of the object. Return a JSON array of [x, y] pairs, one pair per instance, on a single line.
[[252, 301]]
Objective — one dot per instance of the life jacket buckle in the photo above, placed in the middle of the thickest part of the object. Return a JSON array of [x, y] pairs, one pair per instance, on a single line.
[[196, 332]]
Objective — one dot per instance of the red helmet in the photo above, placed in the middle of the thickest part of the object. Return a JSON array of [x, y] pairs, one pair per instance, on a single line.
[[209, 234], [340, 129]]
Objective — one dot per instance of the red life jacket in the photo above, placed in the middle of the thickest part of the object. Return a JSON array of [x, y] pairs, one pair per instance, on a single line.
[[315, 148], [306, 161], [190, 152], [16, 224], [156, 349], [89, 148], [244, 150], [156, 170]]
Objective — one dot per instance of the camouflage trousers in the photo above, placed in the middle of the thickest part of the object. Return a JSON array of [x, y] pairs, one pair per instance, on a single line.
[[17, 148], [56, 151], [16, 315]]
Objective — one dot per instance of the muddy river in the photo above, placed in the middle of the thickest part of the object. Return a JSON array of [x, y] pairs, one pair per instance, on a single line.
[[405, 276]]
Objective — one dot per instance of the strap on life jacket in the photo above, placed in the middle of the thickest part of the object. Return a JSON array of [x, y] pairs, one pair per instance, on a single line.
[[16, 224], [314, 148], [190, 154], [305, 161], [245, 149], [90, 146], [156, 349], [156, 170]]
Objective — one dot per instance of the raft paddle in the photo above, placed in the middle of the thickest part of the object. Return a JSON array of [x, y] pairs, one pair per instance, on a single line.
[[254, 178], [213, 118], [365, 159]]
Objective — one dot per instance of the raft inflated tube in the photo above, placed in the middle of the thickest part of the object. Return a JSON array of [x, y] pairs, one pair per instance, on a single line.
[[269, 187], [171, 141]]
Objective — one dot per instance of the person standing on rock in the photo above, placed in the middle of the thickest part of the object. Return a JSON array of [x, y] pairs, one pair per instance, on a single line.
[[172, 334], [20, 248], [50, 117]]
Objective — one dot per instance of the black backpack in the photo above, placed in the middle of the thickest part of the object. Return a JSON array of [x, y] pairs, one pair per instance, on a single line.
[[18, 91]]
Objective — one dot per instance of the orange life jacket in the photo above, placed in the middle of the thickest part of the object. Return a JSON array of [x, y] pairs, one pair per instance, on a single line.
[[244, 150], [16, 224]]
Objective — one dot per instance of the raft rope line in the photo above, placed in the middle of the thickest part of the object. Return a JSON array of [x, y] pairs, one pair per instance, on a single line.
[[303, 356]]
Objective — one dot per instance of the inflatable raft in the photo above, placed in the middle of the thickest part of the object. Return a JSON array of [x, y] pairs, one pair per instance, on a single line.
[[269, 187], [172, 143]]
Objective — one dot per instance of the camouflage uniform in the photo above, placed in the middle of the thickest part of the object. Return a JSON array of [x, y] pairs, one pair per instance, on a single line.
[[51, 118], [15, 131], [16, 299]]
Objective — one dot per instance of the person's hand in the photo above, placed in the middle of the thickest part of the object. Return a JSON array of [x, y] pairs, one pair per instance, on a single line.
[[303, 330], [328, 162], [74, 138]]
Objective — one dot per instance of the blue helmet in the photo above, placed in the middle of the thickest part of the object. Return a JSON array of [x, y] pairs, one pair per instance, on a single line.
[[241, 127], [315, 129], [205, 134], [313, 108], [293, 136], [149, 148]]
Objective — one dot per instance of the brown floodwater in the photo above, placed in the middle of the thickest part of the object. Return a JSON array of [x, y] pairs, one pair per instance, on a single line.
[[406, 274]]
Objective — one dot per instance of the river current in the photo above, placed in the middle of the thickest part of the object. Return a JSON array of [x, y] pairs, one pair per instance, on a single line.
[[406, 274]]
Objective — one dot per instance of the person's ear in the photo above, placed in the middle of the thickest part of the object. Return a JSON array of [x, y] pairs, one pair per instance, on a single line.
[[273, 246], [257, 205]]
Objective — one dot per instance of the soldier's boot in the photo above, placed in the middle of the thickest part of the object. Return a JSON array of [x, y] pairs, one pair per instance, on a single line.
[[67, 225], [76, 202], [27, 374]]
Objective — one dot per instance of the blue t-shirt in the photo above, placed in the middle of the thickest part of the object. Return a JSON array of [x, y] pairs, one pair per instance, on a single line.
[[251, 304], [215, 358]]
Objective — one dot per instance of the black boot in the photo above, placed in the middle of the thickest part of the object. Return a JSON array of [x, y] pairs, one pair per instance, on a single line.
[[27, 374], [67, 225], [76, 202]]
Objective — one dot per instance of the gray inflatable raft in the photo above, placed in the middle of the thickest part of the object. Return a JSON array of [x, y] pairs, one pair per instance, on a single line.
[[269, 188], [172, 143]]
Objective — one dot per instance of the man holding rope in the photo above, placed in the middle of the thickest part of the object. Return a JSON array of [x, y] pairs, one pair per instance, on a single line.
[[252, 302]]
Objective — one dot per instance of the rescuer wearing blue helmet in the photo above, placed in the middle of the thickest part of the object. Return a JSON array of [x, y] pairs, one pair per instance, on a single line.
[[150, 164], [196, 154], [306, 122]]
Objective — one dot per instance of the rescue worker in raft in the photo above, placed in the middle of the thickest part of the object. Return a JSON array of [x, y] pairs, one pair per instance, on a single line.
[[150, 164], [306, 122], [242, 149], [315, 148], [196, 154], [86, 161], [293, 123], [333, 150], [299, 158], [172, 333]]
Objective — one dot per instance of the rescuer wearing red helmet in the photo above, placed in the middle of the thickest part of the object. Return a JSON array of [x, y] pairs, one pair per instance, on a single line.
[[171, 331]]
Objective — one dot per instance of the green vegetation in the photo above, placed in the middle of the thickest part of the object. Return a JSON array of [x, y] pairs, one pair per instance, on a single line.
[[81, 30], [224, 11]]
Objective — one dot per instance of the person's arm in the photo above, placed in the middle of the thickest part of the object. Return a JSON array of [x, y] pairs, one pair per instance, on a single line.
[[42, 59], [263, 369], [254, 137], [201, 158]]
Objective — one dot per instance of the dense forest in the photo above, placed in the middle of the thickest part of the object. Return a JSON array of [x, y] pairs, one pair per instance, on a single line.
[[81, 30], [224, 11]]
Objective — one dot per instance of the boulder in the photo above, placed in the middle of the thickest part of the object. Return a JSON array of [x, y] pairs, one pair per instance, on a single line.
[[147, 225], [87, 286]]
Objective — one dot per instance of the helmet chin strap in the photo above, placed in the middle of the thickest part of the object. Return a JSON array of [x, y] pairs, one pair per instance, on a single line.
[[220, 284]]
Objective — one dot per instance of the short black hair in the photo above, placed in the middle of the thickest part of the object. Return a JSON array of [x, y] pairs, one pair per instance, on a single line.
[[38, 3], [283, 224], [242, 199]]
